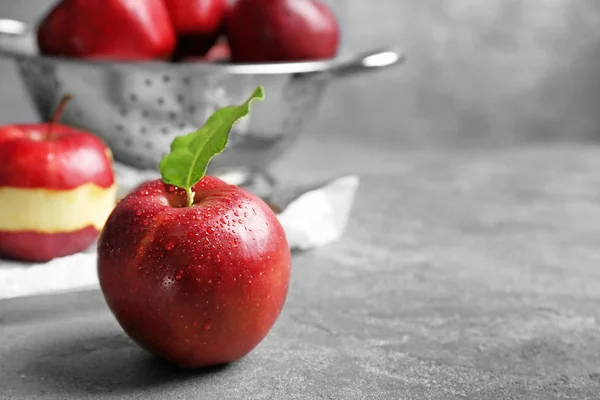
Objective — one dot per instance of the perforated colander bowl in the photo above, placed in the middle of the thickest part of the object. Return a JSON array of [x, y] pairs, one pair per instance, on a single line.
[[139, 108]]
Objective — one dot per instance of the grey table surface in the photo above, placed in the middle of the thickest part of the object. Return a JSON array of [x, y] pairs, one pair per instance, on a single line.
[[463, 275]]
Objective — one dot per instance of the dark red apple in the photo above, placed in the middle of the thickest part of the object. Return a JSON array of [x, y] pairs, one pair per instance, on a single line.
[[219, 53], [57, 189], [108, 30], [199, 285], [282, 30], [197, 23]]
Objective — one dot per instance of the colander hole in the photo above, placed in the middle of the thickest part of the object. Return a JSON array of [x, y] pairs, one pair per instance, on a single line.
[[160, 101], [133, 97], [148, 82], [124, 112], [180, 98], [165, 131], [172, 115], [181, 125], [145, 113], [119, 128], [192, 109], [127, 142], [187, 80], [143, 130], [166, 78], [139, 159], [148, 145]]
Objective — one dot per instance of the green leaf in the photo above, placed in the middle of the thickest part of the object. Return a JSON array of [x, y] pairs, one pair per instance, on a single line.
[[188, 160]]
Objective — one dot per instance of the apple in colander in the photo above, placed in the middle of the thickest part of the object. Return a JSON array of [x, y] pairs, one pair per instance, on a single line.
[[282, 31]]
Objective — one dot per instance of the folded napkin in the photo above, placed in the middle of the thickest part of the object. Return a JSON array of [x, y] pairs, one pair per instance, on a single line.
[[312, 216]]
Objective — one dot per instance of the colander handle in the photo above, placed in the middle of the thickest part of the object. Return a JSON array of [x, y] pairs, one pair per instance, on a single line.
[[16, 37], [366, 62]]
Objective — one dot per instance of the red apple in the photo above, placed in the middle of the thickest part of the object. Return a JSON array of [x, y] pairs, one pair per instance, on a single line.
[[108, 30], [197, 23], [57, 189], [220, 52], [282, 30], [199, 285]]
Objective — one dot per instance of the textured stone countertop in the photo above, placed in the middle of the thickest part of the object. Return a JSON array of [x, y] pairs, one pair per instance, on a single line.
[[463, 275]]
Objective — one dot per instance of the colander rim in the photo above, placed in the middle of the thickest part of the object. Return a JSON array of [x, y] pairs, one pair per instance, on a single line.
[[300, 67]]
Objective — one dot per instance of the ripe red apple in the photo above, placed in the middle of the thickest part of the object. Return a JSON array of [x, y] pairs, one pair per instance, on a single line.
[[197, 23], [282, 30], [198, 273], [108, 30], [199, 285], [57, 189]]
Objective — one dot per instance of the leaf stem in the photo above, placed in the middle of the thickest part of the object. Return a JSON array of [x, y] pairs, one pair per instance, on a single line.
[[57, 114], [190, 197]]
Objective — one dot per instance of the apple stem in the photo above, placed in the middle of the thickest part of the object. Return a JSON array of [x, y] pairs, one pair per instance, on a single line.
[[58, 113], [190, 197]]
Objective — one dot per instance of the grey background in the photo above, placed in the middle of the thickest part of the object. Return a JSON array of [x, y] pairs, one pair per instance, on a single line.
[[499, 72], [464, 274]]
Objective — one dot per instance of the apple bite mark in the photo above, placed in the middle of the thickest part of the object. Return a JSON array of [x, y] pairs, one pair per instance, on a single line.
[[53, 211], [57, 188]]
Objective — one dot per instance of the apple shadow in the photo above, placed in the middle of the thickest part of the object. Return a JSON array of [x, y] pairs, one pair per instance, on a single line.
[[106, 363]]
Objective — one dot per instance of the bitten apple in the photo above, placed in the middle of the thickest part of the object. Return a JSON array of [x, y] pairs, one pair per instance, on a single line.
[[57, 188], [282, 31], [198, 273]]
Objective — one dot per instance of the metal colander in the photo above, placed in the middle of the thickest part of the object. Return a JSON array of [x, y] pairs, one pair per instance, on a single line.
[[139, 108]]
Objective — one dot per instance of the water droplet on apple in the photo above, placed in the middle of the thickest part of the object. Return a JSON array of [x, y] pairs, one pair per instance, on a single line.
[[240, 221], [179, 275], [223, 220], [210, 230], [170, 244], [240, 205], [237, 214], [139, 213]]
